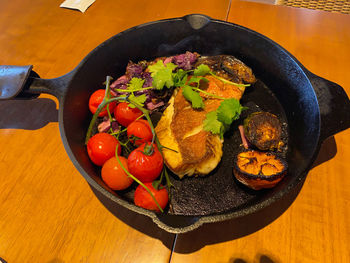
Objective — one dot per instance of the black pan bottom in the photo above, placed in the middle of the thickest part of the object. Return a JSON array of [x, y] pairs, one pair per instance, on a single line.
[[219, 191]]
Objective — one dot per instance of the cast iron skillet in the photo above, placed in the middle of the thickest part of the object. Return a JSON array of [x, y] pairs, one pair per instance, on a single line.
[[312, 108]]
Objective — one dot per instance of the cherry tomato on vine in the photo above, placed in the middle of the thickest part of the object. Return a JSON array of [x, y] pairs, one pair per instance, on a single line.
[[125, 114], [113, 174], [141, 129], [101, 147], [144, 165], [96, 99], [143, 199]]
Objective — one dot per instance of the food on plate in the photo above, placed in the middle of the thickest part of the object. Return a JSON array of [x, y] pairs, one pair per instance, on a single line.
[[145, 162], [194, 149], [263, 130], [96, 99], [139, 132], [199, 99], [143, 199], [113, 174], [228, 67], [124, 114], [101, 147], [259, 170]]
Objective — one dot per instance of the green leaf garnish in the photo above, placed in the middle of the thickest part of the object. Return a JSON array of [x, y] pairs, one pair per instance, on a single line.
[[195, 80], [180, 78], [219, 121], [229, 110], [137, 99], [162, 74], [193, 97], [201, 70], [211, 124], [135, 84]]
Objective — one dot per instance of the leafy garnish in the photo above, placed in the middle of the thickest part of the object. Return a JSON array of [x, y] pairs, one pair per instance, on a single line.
[[140, 100], [229, 110], [162, 74], [212, 124], [136, 84], [193, 97], [201, 70], [180, 78], [219, 121]]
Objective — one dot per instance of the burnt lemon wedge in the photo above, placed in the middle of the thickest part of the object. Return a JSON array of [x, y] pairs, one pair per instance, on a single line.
[[259, 170]]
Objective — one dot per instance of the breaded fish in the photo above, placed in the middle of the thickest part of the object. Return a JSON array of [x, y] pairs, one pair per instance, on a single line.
[[194, 150]]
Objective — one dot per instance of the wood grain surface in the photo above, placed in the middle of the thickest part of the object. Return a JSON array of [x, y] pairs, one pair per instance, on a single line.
[[48, 213]]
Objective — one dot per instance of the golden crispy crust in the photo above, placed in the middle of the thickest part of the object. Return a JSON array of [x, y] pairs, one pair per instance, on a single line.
[[181, 129]]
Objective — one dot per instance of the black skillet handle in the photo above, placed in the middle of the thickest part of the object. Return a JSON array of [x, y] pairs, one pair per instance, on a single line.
[[21, 82], [334, 106]]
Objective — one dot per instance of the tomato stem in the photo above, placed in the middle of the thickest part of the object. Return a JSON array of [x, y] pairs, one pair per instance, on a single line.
[[145, 112], [137, 180]]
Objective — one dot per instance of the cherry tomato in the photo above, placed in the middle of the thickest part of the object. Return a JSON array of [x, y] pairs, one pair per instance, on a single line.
[[96, 99], [113, 174], [145, 167], [141, 129], [143, 199], [125, 114], [101, 147]]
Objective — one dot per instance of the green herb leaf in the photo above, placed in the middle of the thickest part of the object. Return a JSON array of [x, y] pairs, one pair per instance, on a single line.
[[154, 68], [211, 124], [135, 84], [195, 80], [137, 99], [201, 70], [180, 78], [193, 97], [228, 111], [162, 74]]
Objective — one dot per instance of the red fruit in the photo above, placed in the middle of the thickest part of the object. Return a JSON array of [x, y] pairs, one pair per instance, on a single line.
[[95, 100], [113, 174], [143, 199], [140, 129], [101, 147], [125, 114], [145, 166]]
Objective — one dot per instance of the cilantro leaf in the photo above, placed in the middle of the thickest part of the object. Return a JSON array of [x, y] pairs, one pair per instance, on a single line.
[[160, 79], [138, 99], [136, 84], [193, 97], [162, 74], [180, 78], [154, 68], [195, 80], [201, 70], [211, 124], [228, 111]]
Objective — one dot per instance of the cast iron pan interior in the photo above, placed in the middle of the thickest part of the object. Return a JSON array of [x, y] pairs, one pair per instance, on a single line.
[[283, 89]]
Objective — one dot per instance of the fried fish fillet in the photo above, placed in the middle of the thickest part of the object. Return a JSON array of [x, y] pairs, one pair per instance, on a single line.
[[194, 151]]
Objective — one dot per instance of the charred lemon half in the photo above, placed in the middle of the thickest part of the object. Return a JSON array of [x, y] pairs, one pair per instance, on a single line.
[[259, 170]]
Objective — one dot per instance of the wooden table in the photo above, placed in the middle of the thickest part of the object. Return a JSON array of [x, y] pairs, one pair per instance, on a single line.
[[48, 212]]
